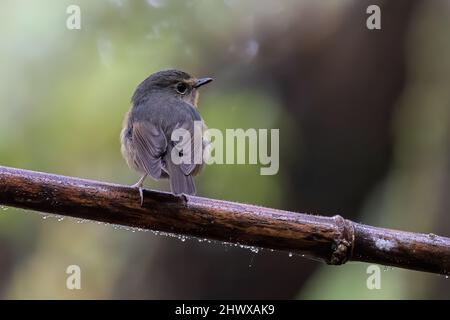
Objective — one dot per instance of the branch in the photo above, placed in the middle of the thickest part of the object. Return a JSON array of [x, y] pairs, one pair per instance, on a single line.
[[334, 240]]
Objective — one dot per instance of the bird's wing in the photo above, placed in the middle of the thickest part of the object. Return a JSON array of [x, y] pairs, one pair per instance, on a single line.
[[151, 144], [192, 144]]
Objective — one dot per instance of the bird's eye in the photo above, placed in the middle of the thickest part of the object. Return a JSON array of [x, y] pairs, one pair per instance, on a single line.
[[181, 88]]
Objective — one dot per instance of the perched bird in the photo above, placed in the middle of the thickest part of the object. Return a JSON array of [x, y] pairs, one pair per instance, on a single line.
[[165, 101]]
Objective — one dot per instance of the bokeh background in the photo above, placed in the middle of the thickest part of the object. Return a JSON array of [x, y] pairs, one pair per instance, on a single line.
[[364, 120]]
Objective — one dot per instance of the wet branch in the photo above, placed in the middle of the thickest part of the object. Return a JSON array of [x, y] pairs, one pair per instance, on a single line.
[[334, 240]]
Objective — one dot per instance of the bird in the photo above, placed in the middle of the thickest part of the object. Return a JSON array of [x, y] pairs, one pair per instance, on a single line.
[[165, 101]]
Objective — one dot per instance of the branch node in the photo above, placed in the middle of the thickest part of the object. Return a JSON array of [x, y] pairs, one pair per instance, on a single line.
[[343, 244]]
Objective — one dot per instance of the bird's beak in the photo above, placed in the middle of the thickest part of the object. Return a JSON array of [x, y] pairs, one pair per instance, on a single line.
[[202, 81]]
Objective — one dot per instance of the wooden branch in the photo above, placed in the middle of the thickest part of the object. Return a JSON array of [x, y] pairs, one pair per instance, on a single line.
[[334, 240]]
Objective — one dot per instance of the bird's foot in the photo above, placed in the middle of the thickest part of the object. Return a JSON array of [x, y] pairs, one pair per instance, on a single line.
[[141, 195], [138, 186], [141, 192], [184, 197]]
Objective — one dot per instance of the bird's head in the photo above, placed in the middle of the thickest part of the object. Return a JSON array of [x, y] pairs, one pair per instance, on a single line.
[[172, 82]]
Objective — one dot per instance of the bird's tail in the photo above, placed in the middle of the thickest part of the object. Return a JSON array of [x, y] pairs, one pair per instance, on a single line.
[[179, 182]]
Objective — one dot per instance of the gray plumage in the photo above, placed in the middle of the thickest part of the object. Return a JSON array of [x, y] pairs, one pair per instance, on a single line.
[[159, 106]]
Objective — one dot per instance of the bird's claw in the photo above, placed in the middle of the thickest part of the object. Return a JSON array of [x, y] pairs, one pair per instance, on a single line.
[[141, 192], [141, 195], [138, 185]]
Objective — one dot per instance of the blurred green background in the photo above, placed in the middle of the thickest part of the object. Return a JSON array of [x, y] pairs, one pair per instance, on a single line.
[[364, 119]]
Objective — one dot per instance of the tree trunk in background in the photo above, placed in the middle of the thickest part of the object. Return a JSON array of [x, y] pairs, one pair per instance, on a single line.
[[341, 96]]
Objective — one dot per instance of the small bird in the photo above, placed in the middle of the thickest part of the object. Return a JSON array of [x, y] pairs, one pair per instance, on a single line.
[[163, 102]]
